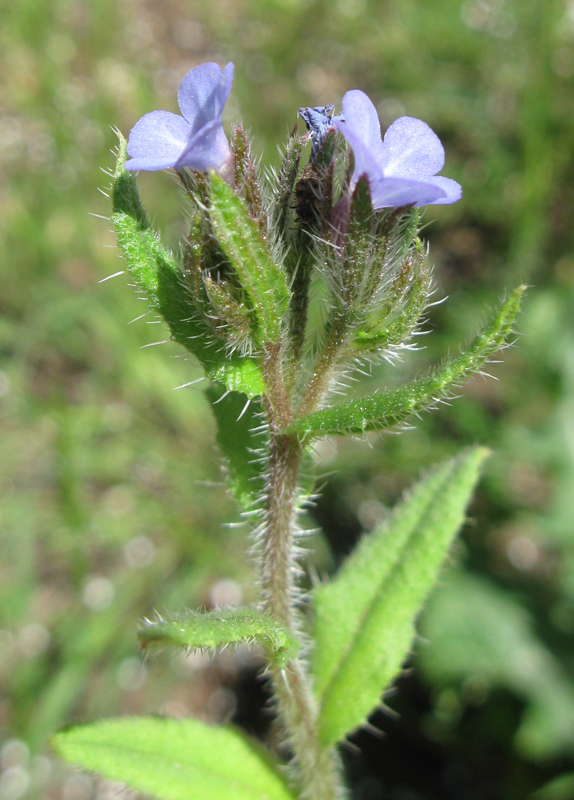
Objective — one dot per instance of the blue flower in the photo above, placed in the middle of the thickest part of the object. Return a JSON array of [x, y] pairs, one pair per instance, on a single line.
[[402, 169], [196, 140]]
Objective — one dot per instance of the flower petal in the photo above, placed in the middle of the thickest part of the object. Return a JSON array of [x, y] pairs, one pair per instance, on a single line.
[[207, 149], [398, 192], [363, 155], [361, 120], [203, 93], [157, 141], [452, 188], [411, 149]]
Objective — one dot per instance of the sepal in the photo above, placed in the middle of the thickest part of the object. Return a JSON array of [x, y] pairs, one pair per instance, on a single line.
[[245, 179], [281, 227], [231, 318], [392, 322], [157, 273], [368, 267], [261, 281], [361, 217], [314, 189]]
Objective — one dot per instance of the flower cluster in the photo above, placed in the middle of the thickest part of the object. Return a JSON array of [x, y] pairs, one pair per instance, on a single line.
[[401, 168]]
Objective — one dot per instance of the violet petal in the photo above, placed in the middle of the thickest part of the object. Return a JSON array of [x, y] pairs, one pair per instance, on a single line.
[[207, 149], [411, 149], [361, 120], [364, 156], [396, 192], [452, 189], [157, 140], [203, 93]]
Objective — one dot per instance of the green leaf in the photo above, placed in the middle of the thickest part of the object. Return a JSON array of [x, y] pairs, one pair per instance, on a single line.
[[476, 629], [241, 240], [216, 629], [240, 439], [380, 411], [155, 271], [364, 618], [174, 759], [559, 788]]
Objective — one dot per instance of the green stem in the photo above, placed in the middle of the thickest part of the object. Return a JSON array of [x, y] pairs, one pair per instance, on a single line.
[[333, 350], [317, 768]]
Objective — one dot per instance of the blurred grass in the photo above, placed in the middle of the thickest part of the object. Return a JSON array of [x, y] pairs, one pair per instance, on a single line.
[[105, 512]]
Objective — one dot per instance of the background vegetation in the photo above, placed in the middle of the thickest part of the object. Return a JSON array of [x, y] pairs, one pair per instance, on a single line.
[[112, 501]]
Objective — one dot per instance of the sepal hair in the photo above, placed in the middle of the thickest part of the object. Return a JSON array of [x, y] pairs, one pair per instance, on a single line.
[[314, 189], [210, 275], [378, 276], [245, 177], [281, 186], [391, 322]]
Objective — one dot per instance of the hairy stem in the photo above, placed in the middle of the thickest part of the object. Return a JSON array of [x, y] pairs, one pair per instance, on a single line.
[[334, 349], [317, 768]]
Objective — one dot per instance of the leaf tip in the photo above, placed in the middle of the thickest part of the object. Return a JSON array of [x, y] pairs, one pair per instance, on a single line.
[[482, 453]]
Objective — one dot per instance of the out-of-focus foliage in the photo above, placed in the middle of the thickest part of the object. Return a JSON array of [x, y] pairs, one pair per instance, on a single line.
[[111, 497]]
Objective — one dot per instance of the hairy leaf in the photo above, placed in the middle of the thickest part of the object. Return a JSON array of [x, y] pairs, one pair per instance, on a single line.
[[155, 271], [174, 759], [364, 618], [380, 411], [216, 629], [240, 439], [243, 244]]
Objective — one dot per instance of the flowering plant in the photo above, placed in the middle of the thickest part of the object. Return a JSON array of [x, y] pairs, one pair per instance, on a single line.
[[238, 299]]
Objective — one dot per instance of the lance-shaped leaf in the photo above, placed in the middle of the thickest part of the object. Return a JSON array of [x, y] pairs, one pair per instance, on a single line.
[[242, 440], [383, 410], [364, 618], [155, 271], [216, 629], [245, 248], [174, 759]]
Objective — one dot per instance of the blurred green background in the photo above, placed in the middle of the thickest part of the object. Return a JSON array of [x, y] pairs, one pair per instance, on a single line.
[[111, 497]]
